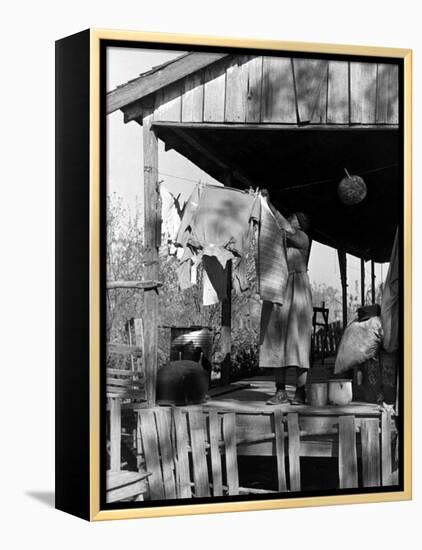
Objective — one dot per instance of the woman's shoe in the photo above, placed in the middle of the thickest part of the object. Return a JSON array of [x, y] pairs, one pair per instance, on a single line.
[[279, 398], [300, 397]]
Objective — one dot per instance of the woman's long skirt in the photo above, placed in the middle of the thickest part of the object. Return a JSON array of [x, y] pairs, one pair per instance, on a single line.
[[286, 330]]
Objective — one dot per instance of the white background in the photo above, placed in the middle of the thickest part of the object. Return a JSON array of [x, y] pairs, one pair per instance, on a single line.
[[27, 272]]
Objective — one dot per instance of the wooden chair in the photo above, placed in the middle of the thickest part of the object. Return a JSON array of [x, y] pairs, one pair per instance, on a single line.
[[126, 486], [125, 389]]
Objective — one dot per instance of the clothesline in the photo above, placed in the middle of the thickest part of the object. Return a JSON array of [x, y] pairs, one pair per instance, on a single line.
[[179, 177], [332, 180], [301, 186]]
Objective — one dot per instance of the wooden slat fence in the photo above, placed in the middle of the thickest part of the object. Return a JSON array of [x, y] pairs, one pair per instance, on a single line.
[[184, 449]]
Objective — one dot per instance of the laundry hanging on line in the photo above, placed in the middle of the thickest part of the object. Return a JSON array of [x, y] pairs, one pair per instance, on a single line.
[[217, 223], [216, 227], [171, 214]]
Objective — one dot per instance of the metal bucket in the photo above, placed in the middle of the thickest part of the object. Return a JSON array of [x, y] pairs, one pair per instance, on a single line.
[[340, 392], [318, 394], [189, 342]]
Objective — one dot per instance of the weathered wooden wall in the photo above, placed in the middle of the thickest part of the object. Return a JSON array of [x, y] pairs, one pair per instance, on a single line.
[[284, 90]]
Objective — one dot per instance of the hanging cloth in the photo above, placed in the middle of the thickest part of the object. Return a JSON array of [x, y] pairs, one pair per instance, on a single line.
[[390, 301], [217, 223], [171, 215], [271, 264]]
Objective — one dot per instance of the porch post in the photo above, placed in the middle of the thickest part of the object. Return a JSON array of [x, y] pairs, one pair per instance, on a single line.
[[152, 236], [226, 316], [226, 328], [362, 282], [342, 259], [373, 281]]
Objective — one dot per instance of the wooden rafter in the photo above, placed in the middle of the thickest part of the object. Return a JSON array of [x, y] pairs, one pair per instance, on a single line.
[[154, 80], [213, 156]]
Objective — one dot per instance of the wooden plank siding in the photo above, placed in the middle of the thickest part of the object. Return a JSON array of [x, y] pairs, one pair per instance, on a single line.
[[168, 103], [387, 111], [363, 90], [214, 92], [338, 93], [236, 89], [256, 89], [193, 98], [278, 95], [310, 81]]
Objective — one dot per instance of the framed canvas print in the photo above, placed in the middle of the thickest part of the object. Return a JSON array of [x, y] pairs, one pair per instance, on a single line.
[[233, 274]]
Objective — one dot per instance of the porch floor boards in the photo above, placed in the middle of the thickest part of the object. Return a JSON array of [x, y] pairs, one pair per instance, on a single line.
[[250, 396]]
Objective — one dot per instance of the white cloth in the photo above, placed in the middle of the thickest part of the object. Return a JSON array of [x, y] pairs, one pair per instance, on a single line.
[[170, 214], [390, 302]]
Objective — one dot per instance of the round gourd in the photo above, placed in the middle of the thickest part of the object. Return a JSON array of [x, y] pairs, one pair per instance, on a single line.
[[351, 190]]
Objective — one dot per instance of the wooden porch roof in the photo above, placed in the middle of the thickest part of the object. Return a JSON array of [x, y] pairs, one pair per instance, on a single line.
[[301, 168], [285, 123]]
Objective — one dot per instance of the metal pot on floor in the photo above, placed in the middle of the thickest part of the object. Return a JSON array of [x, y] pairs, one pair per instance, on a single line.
[[340, 391]]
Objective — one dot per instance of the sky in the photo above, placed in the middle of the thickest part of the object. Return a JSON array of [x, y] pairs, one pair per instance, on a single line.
[[125, 166]]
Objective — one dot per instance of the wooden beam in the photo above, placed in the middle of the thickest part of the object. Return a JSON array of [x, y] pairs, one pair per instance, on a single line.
[[362, 282], [342, 259], [141, 285], [152, 218], [274, 126], [226, 336], [373, 281], [123, 349], [154, 80]]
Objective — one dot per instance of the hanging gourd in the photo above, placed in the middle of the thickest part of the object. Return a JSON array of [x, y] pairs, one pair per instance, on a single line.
[[351, 190]]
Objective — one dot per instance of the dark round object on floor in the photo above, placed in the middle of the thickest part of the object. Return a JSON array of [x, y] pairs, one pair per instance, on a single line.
[[351, 190], [181, 383]]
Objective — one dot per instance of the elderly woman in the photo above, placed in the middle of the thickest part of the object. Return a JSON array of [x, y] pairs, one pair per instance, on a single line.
[[286, 329]]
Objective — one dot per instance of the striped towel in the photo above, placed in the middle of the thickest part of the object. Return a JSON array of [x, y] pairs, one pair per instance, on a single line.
[[272, 269]]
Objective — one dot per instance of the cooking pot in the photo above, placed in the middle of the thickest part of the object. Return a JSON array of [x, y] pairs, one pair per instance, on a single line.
[[318, 394], [340, 392]]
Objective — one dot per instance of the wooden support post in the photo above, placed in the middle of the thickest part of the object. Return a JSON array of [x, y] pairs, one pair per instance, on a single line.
[[139, 341], [115, 434], [152, 218], [362, 282], [343, 274], [373, 281], [226, 335]]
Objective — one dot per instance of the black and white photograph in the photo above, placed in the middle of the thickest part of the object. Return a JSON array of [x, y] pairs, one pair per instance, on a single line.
[[252, 267]]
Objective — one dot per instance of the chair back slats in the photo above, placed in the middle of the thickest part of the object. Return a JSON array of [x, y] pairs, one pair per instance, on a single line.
[[199, 456], [151, 453], [229, 436], [167, 456], [115, 434], [294, 451], [347, 455], [181, 443], [369, 433], [214, 429], [280, 450], [386, 444]]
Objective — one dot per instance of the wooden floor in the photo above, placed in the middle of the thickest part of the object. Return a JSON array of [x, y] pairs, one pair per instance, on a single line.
[[250, 396]]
